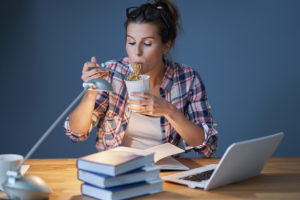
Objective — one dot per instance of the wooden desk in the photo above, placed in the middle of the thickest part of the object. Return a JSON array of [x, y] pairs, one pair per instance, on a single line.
[[280, 179]]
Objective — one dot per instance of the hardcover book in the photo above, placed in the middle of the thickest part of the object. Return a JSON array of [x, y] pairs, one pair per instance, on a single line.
[[114, 161], [106, 181], [123, 192]]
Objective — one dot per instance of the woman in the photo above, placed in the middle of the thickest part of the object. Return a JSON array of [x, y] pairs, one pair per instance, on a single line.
[[176, 106]]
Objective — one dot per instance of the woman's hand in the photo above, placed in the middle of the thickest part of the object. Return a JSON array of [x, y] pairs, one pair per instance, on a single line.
[[150, 105], [157, 106], [91, 71]]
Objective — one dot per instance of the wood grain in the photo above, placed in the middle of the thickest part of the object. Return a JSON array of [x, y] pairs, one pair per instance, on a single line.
[[280, 179]]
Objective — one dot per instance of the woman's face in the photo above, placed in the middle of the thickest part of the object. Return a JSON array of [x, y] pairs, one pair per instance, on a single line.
[[144, 46]]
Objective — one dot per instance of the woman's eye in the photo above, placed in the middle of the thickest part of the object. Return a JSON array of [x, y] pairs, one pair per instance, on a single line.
[[147, 44], [131, 43]]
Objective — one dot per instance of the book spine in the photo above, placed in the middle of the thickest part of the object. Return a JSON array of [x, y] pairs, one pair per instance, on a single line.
[[96, 167]]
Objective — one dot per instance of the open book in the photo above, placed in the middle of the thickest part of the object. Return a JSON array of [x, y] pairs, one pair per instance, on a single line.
[[162, 156]]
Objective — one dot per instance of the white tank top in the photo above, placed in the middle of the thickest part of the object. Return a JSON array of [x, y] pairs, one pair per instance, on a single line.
[[142, 132]]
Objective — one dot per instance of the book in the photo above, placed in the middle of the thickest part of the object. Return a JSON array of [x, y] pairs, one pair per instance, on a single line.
[[123, 192], [164, 150], [114, 161], [170, 163], [106, 181], [162, 155]]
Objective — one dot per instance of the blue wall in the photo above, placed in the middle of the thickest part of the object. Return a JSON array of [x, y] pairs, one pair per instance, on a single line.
[[247, 52]]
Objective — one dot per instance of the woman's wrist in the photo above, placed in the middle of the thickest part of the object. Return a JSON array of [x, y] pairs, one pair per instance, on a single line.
[[171, 110], [90, 95]]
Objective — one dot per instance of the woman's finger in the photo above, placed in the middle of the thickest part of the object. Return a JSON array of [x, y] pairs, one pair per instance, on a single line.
[[94, 60], [88, 78], [88, 65], [93, 71], [141, 101], [141, 94], [87, 75], [94, 77], [140, 108]]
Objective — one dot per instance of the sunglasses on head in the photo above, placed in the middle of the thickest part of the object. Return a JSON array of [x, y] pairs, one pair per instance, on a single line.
[[134, 12]]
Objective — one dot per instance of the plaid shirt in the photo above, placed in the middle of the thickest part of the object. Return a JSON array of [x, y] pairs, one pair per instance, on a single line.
[[181, 86]]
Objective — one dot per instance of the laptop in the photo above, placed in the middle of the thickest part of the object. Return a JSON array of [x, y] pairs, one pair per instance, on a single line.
[[241, 160]]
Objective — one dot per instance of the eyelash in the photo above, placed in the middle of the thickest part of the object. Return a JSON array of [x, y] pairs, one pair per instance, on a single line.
[[133, 43]]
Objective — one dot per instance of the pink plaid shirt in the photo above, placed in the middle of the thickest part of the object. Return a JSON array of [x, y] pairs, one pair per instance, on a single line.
[[181, 86]]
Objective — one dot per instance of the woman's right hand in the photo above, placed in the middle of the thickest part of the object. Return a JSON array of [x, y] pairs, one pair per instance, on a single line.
[[92, 71]]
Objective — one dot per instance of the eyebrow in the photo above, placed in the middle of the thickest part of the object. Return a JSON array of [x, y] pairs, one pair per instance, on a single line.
[[148, 37]]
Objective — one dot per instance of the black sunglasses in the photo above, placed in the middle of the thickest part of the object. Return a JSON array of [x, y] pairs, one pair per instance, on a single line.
[[134, 12]]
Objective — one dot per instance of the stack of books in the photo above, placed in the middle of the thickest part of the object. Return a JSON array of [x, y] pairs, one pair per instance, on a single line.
[[118, 173]]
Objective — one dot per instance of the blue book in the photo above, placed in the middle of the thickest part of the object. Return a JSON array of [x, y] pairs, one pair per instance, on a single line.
[[115, 161], [106, 181], [123, 192]]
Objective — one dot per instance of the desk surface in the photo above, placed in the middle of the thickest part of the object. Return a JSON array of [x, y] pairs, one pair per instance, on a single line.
[[280, 179]]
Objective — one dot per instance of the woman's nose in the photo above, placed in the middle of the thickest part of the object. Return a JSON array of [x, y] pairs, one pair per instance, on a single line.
[[138, 50]]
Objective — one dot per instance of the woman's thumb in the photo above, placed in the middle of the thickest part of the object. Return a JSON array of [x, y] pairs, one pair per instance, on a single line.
[[94, 60]]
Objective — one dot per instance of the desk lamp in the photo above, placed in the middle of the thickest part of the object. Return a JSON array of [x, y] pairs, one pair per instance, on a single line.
[[33, 187]]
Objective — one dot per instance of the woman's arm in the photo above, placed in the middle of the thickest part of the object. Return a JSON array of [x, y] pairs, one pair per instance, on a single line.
[[195, 125], [80, 119], [156, 106], [190, 132]]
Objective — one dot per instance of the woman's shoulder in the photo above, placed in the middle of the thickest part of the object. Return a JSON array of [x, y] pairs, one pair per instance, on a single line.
[[182, 69], [183, 74]]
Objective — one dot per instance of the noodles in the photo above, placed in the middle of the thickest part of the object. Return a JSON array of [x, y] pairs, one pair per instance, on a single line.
[[135, 75]]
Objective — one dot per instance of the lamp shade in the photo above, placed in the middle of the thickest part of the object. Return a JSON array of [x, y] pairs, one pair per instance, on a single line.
[[98, 84]]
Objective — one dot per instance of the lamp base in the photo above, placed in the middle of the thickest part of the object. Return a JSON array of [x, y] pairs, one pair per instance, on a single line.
[[27, 187]]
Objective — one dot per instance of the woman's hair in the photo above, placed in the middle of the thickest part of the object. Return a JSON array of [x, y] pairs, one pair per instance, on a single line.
[[163, 13]]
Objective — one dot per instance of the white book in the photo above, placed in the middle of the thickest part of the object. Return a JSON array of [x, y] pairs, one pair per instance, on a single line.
[[106, 181], [124, 191], [164, 150], [162, 155], [170, 163], [114, 161]]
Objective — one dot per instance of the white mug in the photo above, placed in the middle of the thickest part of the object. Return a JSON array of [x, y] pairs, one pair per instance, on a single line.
[[8, 162]]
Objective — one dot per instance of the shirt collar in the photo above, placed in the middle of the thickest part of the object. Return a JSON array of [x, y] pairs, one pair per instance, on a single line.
[[167, 81]]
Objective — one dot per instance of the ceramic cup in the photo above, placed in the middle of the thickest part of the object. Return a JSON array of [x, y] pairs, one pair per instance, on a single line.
[[8, 162]]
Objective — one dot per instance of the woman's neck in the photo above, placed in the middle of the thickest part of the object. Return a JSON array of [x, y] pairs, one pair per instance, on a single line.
[[156, 75]]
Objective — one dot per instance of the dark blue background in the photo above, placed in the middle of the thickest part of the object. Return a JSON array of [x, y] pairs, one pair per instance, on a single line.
[[247, 52]]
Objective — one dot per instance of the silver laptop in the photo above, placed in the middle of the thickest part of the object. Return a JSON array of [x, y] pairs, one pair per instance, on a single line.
[[241, 160]]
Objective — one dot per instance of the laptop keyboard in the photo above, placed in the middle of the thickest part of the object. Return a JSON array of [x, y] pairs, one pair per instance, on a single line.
[[199, 176]]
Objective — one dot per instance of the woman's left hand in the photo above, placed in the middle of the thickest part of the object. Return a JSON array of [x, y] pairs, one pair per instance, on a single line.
[[150, 105]]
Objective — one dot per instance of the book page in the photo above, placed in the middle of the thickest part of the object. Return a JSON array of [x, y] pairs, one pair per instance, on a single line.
[[170, 163], [111, 157], [140, 152], [160, 151], [164, 150]]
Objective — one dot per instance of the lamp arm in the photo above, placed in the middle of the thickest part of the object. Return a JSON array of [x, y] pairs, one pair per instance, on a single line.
[[50, 129]]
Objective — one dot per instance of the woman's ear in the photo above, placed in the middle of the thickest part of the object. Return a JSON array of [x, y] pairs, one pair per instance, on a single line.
[[167, 47]]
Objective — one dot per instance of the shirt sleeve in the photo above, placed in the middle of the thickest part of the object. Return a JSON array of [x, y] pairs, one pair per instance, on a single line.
[[199, 112], [98, 114]]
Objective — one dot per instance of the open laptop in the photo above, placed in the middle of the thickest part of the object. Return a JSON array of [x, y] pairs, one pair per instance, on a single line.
[[241, 160]]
